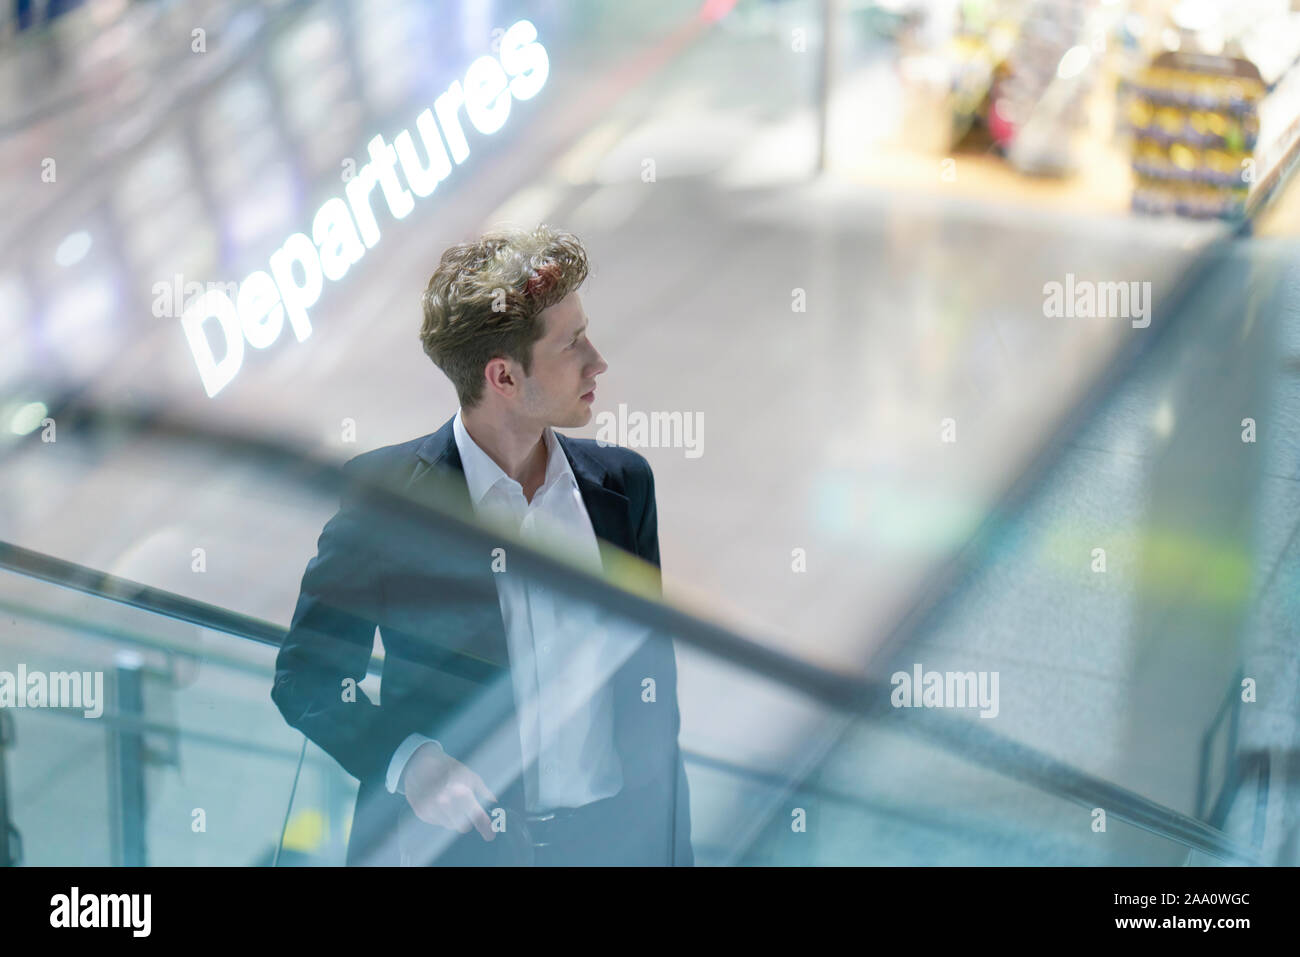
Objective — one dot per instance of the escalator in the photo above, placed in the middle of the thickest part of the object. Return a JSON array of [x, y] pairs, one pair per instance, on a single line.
[[190, 763]]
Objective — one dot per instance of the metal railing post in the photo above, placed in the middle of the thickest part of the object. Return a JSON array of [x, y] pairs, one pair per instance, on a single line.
[[126, 766], [11, 847]]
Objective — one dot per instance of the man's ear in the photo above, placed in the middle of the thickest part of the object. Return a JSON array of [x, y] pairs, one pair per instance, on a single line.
[[502, 376]]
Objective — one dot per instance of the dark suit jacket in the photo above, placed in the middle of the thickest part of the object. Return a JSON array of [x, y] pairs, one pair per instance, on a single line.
[[446, 665]]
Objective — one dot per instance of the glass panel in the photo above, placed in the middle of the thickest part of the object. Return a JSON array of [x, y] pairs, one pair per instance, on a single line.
[[165, 749], [192, 742]]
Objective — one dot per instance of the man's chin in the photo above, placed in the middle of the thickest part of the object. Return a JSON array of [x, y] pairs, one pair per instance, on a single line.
[[576, 419]]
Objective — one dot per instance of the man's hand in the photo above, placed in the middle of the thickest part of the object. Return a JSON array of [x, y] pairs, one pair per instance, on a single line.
[[445, 793]]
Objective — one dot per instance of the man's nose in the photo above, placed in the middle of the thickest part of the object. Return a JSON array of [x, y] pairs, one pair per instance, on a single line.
[[601, 365]]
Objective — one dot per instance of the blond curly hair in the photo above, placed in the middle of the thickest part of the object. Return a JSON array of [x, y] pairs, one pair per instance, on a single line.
[[484, 300]]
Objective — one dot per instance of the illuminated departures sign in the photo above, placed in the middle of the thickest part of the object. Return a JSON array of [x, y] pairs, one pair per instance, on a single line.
[[340, 228]]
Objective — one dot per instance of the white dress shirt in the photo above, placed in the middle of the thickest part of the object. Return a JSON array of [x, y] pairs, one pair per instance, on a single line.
[[560, 655]]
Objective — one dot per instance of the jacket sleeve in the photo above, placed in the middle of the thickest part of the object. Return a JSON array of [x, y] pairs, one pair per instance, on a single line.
[[327, 650], [647, 540]]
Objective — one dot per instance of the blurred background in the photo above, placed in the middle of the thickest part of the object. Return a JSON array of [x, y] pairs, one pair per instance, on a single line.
[[987, 313]]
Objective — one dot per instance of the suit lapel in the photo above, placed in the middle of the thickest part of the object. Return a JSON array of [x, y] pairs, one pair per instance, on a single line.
[[609, 511]]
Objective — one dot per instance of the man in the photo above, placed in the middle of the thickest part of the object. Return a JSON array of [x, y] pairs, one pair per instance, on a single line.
[[514, 724]]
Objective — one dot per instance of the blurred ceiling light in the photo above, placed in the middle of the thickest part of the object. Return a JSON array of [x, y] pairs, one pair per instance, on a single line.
[[1196, 15], [14, 305], [1074, 62], [128, 658], [1163, 420], [73, 249], [315, 40], [76, 324], [1211, 41], [27, 418], [265, 209]]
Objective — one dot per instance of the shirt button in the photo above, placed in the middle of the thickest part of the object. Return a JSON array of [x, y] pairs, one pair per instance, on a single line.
[[546, 649]]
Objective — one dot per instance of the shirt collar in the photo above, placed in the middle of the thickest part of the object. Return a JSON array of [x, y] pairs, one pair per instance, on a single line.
[[482, 474]]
